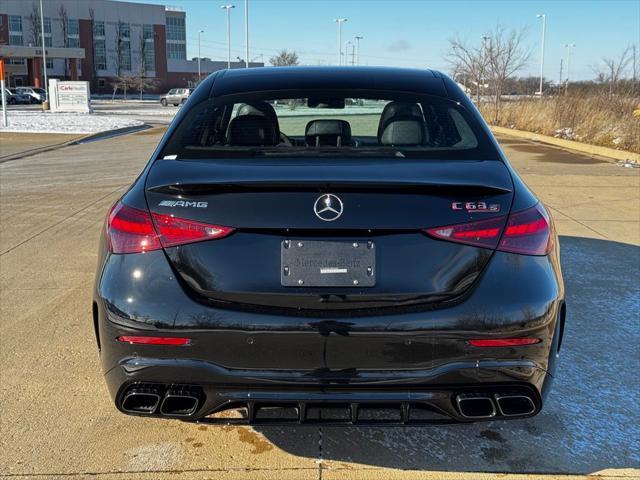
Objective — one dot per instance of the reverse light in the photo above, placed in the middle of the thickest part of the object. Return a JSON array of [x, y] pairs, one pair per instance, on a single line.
[[527, 232], [503, 342], [170, 341], [131, 230]]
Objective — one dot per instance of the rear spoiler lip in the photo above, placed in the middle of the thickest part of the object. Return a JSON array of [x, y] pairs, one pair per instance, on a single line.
[[243, 185]]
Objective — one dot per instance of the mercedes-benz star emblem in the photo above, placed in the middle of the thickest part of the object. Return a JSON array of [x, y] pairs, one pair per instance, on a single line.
[[328, 207]]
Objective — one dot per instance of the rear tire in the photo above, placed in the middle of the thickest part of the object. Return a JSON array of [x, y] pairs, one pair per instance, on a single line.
[[163, 102]]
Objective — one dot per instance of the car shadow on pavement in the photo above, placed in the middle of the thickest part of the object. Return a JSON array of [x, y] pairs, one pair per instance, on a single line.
[[590, 421]]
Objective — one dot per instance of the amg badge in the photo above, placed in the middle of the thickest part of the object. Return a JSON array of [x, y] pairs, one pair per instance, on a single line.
[[182, 203]]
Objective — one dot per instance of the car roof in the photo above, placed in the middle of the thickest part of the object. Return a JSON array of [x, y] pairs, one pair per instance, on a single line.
[[228, 82]]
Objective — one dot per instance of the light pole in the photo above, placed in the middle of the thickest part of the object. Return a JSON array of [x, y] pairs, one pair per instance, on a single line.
[[544, 28], [358, 38], [228, 9], [346, 51], [199, 73], [340, 21], [246, 33], [44, 53], [569, 46]]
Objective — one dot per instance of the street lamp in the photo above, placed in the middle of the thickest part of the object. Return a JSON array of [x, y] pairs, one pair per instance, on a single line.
[[44, 53], [246, 33], [199, 32], [568, 46], [228, 9], [544, 28], [346, 51], [340, 21], [358, 38]]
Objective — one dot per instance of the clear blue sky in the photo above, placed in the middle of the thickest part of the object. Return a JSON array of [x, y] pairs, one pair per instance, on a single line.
[[414, 33]]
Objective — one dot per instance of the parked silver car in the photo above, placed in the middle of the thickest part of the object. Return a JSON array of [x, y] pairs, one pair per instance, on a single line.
[[175, 96], [36, 95], [13, 97]]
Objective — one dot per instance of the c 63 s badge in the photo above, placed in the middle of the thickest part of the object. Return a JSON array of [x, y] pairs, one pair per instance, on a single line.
[[182, 203], [474, 207]]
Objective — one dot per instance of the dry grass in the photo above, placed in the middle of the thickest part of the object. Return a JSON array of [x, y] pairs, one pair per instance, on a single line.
[[596, 119]]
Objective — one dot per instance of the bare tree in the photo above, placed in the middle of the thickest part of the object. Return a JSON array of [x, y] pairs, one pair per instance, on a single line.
[[92, 26], [34, 25], [506, 55], [285, 59], [140, 81], [616, 68], [118, 43], [124, 83], [468, 60], [64, 24]]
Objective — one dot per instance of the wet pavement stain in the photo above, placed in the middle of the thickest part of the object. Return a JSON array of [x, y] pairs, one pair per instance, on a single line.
[[202, 427], [197, 444], [492, 436], [246, 435]]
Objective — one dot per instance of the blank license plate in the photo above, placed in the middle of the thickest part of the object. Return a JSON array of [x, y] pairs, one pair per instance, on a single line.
[[327, 264]]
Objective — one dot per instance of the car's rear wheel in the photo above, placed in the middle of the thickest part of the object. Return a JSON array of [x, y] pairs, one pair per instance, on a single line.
[[163, 102]]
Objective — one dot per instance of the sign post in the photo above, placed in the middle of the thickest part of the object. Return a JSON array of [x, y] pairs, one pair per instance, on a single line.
[[3, 93]]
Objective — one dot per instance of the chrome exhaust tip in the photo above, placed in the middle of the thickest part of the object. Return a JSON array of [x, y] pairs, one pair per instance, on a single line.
[[474, 406], [515, 405]]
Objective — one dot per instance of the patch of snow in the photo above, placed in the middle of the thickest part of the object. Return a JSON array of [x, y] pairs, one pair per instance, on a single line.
[[80, 123], [566, 133]]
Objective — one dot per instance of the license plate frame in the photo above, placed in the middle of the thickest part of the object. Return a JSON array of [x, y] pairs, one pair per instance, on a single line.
[[320, 263]]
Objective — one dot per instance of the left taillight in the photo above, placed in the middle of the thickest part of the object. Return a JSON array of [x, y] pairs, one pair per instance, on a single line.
[[527, 232], [130, 230]]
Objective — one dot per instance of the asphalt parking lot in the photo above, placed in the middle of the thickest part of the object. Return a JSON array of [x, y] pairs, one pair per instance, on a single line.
[[57, 419]]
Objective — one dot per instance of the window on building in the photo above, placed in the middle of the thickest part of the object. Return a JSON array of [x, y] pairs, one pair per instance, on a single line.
[[98, 28], [176, 28], [99, 46], [148, 48], [73, 33], [125, 30], [101, 82], [15, 30], [125, 46], [176, 51], [125, 55], [47, 32], [100, 54], [49, 63]]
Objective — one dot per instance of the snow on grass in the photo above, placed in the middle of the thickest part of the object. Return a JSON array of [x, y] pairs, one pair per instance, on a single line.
[[49, 122]]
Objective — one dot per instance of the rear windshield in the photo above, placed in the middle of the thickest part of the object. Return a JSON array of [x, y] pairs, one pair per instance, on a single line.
[[361, 124]]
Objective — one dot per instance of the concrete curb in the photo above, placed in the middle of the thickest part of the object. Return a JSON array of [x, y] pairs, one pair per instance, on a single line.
[[93, 137], [569, 144]]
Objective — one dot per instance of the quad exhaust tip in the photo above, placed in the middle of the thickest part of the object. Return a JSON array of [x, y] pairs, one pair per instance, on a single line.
[[179, 403], [513, 405], [476, 406], [140, 401]]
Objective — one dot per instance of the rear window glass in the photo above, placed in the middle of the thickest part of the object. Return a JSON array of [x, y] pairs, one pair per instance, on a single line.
[[329, 124]]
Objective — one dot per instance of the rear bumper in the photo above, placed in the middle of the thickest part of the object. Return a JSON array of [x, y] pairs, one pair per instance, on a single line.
[[410, 398], [414, 361]]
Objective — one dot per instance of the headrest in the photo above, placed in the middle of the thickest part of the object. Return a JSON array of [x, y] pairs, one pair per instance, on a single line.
[[397, 109], [403, 131], [328, 132], [251, 130]]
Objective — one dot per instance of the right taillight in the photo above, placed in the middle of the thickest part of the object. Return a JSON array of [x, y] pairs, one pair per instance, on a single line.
[[527, 232]]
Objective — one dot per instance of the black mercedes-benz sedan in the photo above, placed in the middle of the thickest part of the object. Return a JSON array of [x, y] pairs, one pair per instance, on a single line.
[[338, 245]]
